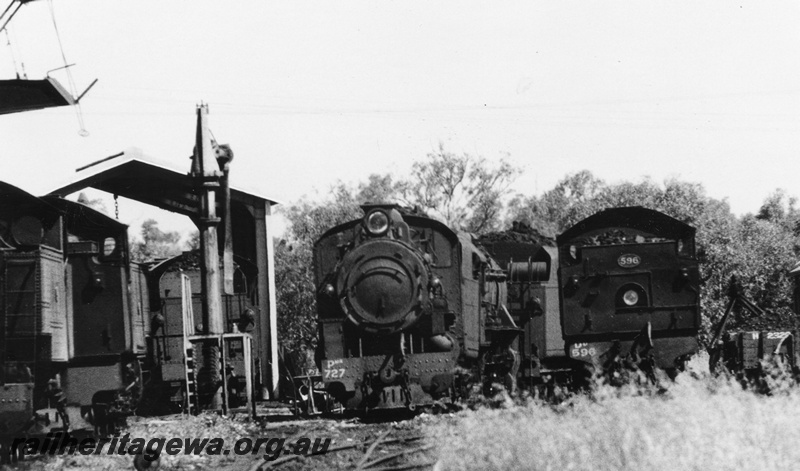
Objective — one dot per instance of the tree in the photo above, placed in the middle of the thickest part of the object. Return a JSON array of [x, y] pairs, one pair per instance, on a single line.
[[294, 275], [382, 189], [781, 209], [463, 189], [155, 243], [572, 199], [296, 298]]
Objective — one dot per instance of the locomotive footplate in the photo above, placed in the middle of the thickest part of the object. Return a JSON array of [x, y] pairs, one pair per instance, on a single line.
[[387, 382]]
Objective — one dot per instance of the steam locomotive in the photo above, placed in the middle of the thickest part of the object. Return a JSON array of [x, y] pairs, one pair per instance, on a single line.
[[87, 337], [73, 316], [407, 307], [412, 313]]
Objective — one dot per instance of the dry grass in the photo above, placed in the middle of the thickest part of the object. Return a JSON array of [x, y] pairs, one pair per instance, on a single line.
[[698, 423]]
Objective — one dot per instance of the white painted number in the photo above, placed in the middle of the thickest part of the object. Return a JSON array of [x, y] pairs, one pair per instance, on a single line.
[[776, 335], [583, 352], [335, 373], [629, 260]]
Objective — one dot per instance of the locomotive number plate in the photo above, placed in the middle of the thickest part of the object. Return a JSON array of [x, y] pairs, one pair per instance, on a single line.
[[629, 260], [335, 373], [582, 350]]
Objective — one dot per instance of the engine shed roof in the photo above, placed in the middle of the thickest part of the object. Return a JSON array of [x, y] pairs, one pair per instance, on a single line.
[[12, 197], [633, 217], [133, 175]]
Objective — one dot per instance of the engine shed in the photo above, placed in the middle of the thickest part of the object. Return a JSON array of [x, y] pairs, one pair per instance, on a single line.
[[132, 175]]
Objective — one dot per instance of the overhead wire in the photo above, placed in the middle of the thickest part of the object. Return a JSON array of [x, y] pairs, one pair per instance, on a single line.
[[73, 89]]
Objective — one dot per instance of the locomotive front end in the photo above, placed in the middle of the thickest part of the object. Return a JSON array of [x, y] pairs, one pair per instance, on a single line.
[[383, 342], [382, 283]]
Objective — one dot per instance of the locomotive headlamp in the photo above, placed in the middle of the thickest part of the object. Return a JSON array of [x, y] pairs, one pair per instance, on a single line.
[[377, 223], [630, 297]]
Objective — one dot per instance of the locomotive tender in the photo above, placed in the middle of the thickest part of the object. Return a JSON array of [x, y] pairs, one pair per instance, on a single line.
[[171, 329], [629, 285], [412, 313]]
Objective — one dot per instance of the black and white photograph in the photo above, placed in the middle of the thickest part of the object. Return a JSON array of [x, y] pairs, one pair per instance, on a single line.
[[383, 235]]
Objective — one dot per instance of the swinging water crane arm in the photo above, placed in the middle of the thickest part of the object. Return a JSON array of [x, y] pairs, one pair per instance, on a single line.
[[22, 94], [10, 11]]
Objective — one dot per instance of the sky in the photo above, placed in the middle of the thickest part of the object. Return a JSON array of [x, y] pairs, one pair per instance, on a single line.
[[308, 93]]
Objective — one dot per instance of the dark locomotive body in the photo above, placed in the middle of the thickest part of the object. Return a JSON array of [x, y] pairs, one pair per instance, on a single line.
[[408, 309], [176, 324], [411, 313], [629, 288], [73, 316], [531, 263], [87, 335]]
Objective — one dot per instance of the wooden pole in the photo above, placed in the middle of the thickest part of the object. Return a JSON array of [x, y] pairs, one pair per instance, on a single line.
[[224, 158], [207, 178]]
